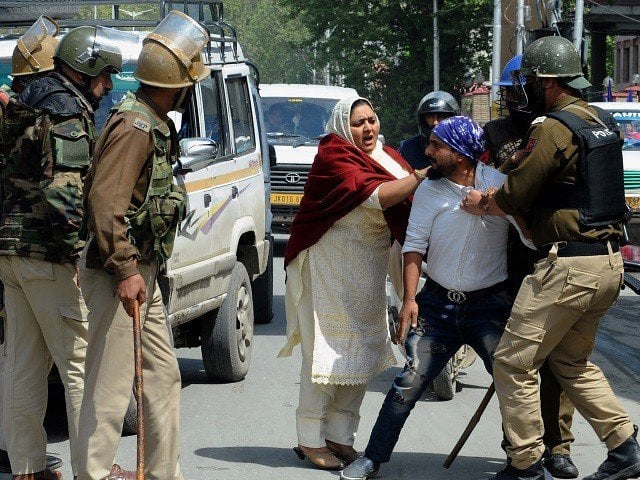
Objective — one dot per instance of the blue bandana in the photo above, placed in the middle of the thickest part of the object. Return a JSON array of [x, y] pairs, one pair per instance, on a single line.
[[463, 135]]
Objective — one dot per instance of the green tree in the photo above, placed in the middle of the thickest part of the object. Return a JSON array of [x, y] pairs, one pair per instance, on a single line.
[[272, 38], [384, 50]]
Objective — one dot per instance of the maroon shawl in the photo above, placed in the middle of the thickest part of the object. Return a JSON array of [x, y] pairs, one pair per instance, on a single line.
[[342, 177]]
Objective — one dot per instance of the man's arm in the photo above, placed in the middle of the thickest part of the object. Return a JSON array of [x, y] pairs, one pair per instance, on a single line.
[[66, 159], [117, 169], [409, 311]]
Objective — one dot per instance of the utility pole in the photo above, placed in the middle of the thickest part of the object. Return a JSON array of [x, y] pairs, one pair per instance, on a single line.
[[578, 26], [520, 28], [497, 37], [436, 48]]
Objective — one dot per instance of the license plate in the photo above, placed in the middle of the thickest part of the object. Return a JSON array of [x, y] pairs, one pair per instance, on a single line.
[[286, 198]]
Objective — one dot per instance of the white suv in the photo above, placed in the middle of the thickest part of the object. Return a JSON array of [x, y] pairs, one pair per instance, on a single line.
[[219, 279]]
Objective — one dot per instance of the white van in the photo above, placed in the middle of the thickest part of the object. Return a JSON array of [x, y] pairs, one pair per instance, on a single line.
[[295, 119]]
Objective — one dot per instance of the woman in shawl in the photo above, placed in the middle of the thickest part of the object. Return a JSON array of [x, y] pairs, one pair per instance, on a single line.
[[356, 201]]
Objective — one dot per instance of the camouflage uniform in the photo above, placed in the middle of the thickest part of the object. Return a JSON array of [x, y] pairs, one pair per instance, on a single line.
[[52, 129]]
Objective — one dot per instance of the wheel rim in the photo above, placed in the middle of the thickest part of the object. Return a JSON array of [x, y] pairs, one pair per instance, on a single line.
[[244, 328]]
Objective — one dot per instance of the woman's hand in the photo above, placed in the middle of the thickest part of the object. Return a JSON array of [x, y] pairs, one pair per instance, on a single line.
[[408, 316]]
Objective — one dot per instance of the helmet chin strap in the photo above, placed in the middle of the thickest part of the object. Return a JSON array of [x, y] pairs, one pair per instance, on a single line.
[[181, 99]]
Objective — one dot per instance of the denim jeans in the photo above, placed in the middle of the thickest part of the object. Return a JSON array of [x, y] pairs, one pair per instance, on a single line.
[[443, 327]]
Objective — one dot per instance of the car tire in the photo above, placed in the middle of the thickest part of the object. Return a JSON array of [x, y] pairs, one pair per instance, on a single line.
[[130, 418], [444, 385], [32, 9], [262, 289], [227, 337]]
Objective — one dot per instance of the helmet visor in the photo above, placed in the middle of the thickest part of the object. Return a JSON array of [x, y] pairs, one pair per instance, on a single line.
[[183, 36], [110, 43], [41, 28], [518, 95]]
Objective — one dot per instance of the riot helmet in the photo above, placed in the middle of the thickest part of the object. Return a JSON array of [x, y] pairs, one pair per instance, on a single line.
[[548, 57], [34, 50], [171, 54], [438, 102], [508, 100], [89, 50]]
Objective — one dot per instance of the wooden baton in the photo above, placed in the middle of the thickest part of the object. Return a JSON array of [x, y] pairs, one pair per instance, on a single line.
[[139, 384], [470, 426]]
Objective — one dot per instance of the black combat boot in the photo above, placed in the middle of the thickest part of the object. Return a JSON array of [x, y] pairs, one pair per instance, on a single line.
[[622, 462], [534, 472]]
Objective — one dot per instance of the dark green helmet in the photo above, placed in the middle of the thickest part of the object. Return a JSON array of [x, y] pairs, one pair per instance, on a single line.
[[554, 57], [82, 50]]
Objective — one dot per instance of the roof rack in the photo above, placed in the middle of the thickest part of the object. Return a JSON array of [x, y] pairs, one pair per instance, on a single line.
[[209, 13]]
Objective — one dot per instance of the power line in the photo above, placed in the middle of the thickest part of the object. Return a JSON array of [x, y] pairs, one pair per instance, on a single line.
[[614, 11]]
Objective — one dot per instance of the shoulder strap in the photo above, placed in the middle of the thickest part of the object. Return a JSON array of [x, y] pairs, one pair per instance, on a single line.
[[572, 121], [598, 118]]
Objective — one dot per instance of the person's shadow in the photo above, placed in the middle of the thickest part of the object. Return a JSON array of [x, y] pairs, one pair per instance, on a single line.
[[402, 465]]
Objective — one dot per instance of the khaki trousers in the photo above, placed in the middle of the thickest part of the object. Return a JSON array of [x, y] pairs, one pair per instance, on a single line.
[[555, 317], [557, 413], [46, 321], [110, 376]]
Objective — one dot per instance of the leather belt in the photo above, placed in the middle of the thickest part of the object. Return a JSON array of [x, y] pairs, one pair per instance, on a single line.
[[579, 249], [458, 297]]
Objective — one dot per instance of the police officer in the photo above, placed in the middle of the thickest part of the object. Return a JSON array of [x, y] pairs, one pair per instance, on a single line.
[[133, 211], [32, 57], [571, 179], [504, 136], [39, 244], [432, 109]]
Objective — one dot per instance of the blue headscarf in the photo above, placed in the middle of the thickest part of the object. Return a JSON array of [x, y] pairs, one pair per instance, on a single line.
[[463, 135]]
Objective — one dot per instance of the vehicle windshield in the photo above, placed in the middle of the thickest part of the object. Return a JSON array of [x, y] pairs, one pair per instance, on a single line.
[[297, 120], [629, 123]]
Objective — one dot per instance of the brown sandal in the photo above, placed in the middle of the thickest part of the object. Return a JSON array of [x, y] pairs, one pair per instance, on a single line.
[[320, 457], [346, 453]]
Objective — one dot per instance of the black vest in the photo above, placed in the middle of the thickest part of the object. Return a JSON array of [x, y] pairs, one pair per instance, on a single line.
[[598, 193]]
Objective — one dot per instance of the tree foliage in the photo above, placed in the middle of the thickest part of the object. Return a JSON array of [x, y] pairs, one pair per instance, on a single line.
[[272, 38], [384, 50]]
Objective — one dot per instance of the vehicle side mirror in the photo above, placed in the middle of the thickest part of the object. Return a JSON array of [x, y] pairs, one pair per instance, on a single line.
[[196, 153], [272, 155]]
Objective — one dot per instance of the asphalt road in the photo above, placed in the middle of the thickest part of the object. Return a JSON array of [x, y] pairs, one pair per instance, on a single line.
[[245, 431]]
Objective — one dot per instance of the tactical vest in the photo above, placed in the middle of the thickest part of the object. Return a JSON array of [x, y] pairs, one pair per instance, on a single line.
[[598, 193], [152, 227], [26, 228]]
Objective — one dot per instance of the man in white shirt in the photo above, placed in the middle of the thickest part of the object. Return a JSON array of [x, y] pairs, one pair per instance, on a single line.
[[464, 300]]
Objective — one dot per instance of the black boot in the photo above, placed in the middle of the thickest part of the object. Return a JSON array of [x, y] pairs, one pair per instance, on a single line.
[[534, 472], [560, 466], [622, 462]]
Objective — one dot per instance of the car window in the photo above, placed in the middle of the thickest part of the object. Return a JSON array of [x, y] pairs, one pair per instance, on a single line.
[[290, 119], [214, 120], [240, 103], [629, 123]]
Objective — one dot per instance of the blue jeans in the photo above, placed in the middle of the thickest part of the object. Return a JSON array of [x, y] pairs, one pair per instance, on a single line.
[[443, 327]]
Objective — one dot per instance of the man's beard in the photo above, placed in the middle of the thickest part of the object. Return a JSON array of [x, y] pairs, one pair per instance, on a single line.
[[440, 171]]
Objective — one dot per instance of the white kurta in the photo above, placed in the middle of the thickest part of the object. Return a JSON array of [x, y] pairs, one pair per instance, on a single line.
[[346, 297]]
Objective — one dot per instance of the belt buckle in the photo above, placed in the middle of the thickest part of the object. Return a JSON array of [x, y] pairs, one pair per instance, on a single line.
[[456, 296]]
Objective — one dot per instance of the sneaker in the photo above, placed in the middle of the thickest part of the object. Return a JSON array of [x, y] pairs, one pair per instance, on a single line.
[[361, 469]]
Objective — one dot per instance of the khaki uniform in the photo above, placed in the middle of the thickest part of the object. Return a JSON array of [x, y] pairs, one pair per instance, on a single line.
[[558, 308], [502, 140], [39, 248], [117, 185]]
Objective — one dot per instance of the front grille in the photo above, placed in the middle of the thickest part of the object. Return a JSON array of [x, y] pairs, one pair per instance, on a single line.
[[632, 180], [289, 178]]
